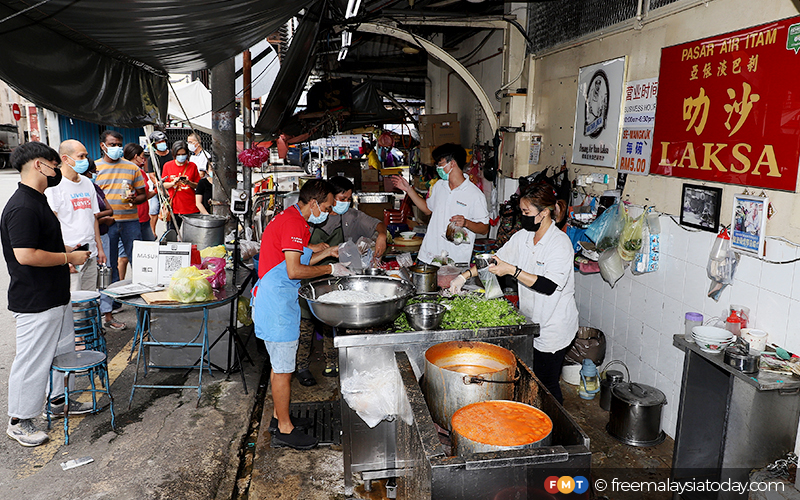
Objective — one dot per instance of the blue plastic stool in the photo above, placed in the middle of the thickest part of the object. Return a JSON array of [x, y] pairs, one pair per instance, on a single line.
[[91, 363]]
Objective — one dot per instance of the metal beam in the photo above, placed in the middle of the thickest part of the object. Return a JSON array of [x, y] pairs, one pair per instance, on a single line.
[[466, 22], [439, 53]]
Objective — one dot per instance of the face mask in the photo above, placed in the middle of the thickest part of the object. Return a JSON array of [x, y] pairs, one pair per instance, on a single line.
[[53, 181], [318, 219], [180, 158], [114, 152], [192, 147], [341, 207], [80, 166], [161, 146], [529, 223]]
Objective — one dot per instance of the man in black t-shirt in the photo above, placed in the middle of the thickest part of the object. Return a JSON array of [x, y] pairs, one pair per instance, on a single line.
[[38, 293]]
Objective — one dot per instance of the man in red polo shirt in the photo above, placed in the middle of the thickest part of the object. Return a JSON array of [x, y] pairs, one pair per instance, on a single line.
[[284, 260]]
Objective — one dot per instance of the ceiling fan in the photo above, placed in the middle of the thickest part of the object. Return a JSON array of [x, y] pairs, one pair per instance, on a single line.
[[444, 3]]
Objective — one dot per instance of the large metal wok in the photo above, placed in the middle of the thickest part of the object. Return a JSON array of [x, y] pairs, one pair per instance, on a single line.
[[358, 315]]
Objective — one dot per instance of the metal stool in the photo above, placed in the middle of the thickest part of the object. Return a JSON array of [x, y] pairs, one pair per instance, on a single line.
[[78, 362], [87, 320]]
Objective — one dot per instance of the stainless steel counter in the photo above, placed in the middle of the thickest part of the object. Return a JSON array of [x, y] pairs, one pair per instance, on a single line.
[[373, 451], [730, 422]]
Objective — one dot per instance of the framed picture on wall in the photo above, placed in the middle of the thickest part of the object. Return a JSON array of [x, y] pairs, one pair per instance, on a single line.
[[700, 207], [749, 223]]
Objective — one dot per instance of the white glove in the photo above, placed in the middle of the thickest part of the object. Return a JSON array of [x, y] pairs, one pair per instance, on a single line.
[[457, 283], [339, 269]]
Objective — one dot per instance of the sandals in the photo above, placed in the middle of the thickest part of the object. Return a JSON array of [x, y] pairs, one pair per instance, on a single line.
[[114, 325], [306, 378]]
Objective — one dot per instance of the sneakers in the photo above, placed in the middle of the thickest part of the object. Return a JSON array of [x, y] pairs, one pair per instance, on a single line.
[[297, 422], [296, 439], [26, 433], [75, 408], [331, 371]]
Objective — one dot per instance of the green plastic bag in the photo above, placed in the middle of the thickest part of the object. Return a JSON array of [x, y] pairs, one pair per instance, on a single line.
[[190, 284]]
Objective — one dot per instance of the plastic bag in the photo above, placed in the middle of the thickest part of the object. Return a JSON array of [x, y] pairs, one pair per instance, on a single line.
[[605, 230], [589, 343], [376, 393], [349, 256], [630, 240], [456, 234], [248, 249], [366, 247], [442, 260], [243, 312], [646, 260], [190, 284], [217, 251], [611, 265], [490, 283], [217, 266]]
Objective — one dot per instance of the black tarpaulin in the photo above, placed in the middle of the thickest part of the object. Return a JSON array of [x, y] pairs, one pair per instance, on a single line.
[[368, 108], [107, 62], [291, 79]]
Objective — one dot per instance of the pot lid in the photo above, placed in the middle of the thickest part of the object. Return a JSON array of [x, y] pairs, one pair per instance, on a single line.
[[614, 376], [638, 394]]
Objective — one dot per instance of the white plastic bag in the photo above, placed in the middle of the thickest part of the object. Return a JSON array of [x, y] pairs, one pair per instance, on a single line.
[[490, 284], [349, 256], [377, 394]]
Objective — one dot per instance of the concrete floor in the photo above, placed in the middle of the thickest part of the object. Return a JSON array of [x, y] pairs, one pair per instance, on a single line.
[[317, 474]]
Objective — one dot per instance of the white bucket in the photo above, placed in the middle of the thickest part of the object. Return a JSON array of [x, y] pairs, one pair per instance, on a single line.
[[571, 374]]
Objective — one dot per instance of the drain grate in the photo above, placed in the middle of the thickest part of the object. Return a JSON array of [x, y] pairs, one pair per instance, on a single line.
[[327, 420]]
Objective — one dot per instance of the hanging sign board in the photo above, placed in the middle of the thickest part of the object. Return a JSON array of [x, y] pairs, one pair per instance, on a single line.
[[637, 129], [597, 113], [730, 112]]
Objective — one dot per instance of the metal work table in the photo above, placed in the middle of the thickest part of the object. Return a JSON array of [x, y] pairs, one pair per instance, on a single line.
[[730, 422], [143, 336], [373, 451]]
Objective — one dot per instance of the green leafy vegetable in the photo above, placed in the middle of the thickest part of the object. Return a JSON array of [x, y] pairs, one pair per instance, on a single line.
[[468, 313]]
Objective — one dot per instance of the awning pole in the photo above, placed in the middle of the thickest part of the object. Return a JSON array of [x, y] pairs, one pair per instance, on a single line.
[[223, 135], [247, 118]]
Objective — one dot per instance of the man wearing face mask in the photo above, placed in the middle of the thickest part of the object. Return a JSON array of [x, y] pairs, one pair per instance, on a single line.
[[124, 189], [540, 257], [455, 200], [284, 259], [74, 202], [38, 292]]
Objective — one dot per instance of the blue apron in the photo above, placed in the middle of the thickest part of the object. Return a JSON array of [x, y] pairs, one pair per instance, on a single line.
[[276, 310]]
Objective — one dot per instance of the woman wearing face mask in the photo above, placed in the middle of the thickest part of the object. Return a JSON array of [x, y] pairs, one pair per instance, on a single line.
[[541, 259], [180, 180], [134, 153]]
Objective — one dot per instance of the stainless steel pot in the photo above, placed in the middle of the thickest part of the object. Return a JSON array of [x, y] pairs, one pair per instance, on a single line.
[[459, 373], [635, 417], [358, 315], [500, 425], [424, 278], [742, 361], [612, 378], [203, 230]]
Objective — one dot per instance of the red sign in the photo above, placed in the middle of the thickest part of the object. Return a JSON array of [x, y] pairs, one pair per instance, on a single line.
[[729, 108], [16, 111]]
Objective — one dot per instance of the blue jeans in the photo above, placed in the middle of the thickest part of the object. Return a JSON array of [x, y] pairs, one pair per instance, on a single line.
[[126, 232], [147, 231]]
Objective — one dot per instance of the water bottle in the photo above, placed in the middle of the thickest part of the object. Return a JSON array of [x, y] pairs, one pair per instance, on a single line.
[[590, 384]]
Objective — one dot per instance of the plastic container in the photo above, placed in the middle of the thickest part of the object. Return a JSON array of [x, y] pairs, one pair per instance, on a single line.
[[734, 324], [691, 320]]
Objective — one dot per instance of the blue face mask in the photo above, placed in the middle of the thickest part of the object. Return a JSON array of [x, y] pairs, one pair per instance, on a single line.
[[318, 219], [161, 146], [114, 152], [94, 177], [341, 207], [80, 166], [442, 174], [181, 158]]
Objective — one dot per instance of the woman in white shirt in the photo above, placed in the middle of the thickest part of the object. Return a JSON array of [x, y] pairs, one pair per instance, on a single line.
[[540, 257]]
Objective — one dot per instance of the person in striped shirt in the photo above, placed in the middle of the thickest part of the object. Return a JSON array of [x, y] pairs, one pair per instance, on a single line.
[[124, 188]]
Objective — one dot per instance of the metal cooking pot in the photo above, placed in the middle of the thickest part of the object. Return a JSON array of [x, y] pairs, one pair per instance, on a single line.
[[741, 359], [459, 373], [635, 417], [475, 427], [203, 230], [358, 315], [612, 378], [424, 278]]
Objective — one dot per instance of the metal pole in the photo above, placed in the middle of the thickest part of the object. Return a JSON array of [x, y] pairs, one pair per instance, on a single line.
[[247, 118], [223, 136]]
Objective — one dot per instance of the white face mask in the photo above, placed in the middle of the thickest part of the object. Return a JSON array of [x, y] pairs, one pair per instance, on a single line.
[[192, 147]]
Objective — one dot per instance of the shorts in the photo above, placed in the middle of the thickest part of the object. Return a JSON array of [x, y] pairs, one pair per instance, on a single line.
[[282, 355], [154, 205]]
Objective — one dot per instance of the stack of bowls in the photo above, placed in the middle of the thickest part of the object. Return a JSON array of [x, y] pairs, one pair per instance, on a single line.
[[712, 339]]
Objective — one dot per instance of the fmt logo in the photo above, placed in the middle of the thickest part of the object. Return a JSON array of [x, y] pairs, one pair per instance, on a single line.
[[566, 484]]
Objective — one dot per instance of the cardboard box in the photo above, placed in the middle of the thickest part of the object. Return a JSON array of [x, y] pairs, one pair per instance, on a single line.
[[425, 155], [369, 175], [425, 120], [443, 134], [375, 209], [145, 262], [371, 187]]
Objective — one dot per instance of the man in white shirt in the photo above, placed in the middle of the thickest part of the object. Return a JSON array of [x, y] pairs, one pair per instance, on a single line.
[[74, 201], [199, 156], [453, 199]]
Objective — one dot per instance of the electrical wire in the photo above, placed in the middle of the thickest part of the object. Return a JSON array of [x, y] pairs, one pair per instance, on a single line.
[[12, 16]]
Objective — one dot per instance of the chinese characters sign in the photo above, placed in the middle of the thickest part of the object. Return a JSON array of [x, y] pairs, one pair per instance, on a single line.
[[731, 110], [637, 130], [597, 113]]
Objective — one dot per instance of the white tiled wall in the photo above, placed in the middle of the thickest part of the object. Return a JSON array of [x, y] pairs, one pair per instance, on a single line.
[[640, 314]]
